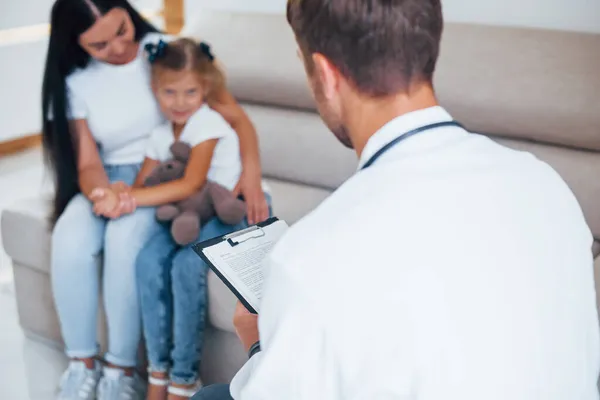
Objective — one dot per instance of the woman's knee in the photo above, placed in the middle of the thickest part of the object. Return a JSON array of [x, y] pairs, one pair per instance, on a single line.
[[129, 233], [77, 235]]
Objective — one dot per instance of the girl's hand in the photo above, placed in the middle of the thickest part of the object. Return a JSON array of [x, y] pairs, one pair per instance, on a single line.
[[250, 186], [127, 203], [120, 187]]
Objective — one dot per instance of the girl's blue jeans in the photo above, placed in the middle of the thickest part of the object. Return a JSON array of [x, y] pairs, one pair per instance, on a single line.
[[79, 239], [173, 297]]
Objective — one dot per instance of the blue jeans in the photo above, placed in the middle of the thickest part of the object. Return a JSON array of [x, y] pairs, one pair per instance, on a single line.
[[213, 392], [173, 296], [78, 239]]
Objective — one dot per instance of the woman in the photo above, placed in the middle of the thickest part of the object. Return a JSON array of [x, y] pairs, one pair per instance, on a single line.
[[98, 112]]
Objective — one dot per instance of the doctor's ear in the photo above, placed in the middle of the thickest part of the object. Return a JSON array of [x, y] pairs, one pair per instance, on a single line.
[[326, 74]]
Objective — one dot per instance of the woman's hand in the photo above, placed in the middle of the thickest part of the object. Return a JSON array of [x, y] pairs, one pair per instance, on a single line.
[[250, 186], [114, 201], [106, 202]]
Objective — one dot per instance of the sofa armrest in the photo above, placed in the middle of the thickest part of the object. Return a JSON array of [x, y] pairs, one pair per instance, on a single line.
[[25, 231]]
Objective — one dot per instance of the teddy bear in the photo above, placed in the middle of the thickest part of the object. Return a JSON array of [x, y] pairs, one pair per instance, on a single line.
[[187, 216]]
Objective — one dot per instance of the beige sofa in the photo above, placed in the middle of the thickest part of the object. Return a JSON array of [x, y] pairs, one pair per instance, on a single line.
[[531, 89]]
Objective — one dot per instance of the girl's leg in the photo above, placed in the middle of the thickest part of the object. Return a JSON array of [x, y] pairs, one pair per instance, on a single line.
[[153, 271], [188, 276], [76, 245]]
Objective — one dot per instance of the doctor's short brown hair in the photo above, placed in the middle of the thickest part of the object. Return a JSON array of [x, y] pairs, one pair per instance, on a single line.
[[381, 46]]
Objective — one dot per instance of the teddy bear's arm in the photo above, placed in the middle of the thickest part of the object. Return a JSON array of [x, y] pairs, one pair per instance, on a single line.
[[167, 212]]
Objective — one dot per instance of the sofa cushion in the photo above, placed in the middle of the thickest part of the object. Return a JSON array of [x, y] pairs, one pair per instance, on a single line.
[[525, 83], [531, 84], [290, 202], [238, 39]]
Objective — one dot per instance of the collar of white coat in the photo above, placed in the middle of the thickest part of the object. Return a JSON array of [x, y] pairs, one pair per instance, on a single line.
[[399, 126]]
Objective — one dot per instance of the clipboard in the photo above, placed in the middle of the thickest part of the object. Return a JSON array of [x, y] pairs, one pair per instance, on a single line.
[[242, 240]]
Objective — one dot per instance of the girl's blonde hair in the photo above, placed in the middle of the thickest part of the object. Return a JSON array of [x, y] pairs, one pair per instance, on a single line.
[[187, 55]]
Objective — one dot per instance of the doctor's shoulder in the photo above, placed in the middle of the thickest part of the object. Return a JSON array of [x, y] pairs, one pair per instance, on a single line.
[[335, 219]]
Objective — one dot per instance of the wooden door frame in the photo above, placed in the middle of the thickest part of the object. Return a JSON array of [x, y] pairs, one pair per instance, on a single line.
[[173, 12]]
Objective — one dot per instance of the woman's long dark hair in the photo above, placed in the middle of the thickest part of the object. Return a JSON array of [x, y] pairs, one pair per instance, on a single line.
[[69, 19]]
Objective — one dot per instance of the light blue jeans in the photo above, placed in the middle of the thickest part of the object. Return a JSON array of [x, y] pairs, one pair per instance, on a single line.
[[78, 240], [173, 295]]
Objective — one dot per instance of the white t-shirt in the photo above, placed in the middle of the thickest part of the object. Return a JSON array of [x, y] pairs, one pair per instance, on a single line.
[[118, 104], [205, 124], [452, 268]]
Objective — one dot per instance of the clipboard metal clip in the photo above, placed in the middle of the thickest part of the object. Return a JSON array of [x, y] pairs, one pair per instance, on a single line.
[[244, 235]]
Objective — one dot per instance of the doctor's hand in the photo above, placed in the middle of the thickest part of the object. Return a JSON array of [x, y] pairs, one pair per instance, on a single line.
[[246, 326]]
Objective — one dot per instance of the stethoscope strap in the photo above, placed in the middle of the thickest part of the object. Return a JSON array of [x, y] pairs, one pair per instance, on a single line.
[[407, 135]]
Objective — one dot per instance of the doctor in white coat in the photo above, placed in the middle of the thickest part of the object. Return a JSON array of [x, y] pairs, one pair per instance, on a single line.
[[447, 268]]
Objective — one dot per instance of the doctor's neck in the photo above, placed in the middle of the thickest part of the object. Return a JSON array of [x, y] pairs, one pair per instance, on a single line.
[[367, 115]]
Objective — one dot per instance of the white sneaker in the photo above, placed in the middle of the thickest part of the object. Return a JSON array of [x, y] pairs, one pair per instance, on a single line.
[[79, 382], [115, 385]]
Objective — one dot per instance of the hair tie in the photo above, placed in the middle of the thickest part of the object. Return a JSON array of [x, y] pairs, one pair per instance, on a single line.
[[205, 49], [155, 51]]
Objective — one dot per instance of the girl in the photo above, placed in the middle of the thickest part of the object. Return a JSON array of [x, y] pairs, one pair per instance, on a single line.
[[173, 289], [98, 113]]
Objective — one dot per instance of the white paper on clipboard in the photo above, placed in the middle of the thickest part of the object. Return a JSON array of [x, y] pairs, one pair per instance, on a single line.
[[239, 259]]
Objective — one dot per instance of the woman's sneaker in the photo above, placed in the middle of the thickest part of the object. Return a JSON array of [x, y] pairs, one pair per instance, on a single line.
[[115, 385], [79, 382]]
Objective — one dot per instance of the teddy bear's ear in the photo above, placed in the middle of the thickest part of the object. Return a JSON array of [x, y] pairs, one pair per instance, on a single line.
[[181, 151]]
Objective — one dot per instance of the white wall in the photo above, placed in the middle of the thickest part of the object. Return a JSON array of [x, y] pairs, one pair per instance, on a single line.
[[264, 6], [572, 15], [15, 13], [21, 73], [576, 15]]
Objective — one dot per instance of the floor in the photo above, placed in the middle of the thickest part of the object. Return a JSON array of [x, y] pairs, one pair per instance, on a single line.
[[28, 370]]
